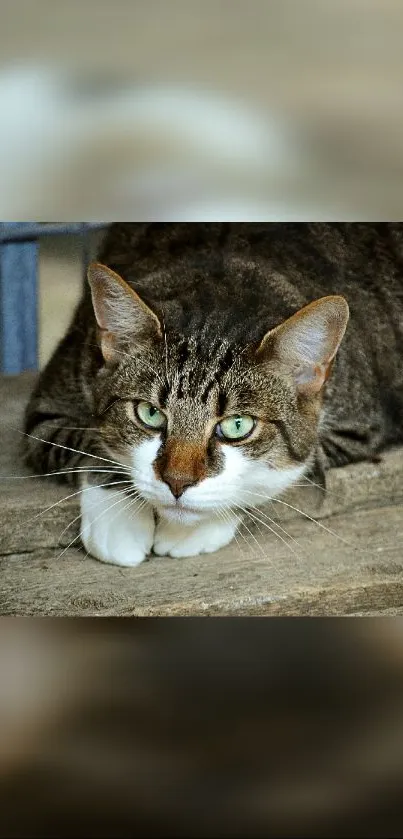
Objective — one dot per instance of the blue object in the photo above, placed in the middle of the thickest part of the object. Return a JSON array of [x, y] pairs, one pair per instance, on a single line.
[[18, 306], [19, 288]]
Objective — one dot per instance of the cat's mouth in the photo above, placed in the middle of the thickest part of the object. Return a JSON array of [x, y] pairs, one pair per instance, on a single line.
[[181, 513]]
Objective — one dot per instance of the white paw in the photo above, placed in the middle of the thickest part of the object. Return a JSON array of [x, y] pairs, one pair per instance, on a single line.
[[172, 539], [111, 528]]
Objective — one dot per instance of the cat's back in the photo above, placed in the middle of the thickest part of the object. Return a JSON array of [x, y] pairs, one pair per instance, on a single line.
[[271, 268], [317, 251]]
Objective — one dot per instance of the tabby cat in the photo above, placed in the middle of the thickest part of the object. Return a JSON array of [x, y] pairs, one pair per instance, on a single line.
[[205, 370]]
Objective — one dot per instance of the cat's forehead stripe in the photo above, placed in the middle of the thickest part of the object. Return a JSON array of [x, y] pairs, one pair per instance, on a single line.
[[183, 353], [194, 370]]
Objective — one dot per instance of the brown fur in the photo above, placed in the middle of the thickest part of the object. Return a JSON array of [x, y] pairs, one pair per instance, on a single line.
[[181, 464]]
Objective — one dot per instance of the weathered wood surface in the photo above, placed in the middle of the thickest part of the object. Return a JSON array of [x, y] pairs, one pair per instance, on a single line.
[[357, 568]]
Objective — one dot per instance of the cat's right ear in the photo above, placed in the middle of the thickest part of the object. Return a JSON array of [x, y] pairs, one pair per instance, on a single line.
[[121, 314], [307, 342]]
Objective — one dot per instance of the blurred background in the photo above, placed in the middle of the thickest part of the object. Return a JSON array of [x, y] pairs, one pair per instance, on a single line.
[[196, 110], [204, 728], [60, 282]]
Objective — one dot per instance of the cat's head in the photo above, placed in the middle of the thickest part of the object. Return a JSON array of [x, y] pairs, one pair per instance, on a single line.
[[207, 425]]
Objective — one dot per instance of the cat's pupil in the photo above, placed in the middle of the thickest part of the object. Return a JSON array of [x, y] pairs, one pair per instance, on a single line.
[[238, 423], [152, 411]]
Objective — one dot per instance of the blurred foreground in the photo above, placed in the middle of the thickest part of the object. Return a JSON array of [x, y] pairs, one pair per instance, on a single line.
[[201, 728]]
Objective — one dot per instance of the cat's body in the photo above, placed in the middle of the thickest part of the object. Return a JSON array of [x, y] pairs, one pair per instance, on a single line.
[[207, 349]]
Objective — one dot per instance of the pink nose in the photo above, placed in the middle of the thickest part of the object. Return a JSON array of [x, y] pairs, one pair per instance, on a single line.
[[177, 484], [181, 465]]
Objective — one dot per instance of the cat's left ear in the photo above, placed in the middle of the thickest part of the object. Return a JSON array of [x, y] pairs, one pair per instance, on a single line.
[[307, 342], [121, 314]]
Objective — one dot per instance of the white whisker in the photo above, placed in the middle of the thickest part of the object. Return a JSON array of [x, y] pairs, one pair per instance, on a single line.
[[325, 490], [72, 495], [255, 518], [226, 517], [305, 479], [276, 524], [252, 535], [121, 492], [133, 497], [81, 470], [131, 503], [68, 448], [302, 513], [166, 348]]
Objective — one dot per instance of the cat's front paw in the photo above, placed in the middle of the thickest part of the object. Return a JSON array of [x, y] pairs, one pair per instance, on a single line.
[[112, 529], [172, 539]]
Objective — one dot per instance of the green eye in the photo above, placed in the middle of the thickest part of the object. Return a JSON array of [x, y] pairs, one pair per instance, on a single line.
[[236, 428], [150, 416]]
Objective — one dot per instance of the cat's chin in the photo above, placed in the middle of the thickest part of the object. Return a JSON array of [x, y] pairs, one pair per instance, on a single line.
[[180, 515]]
